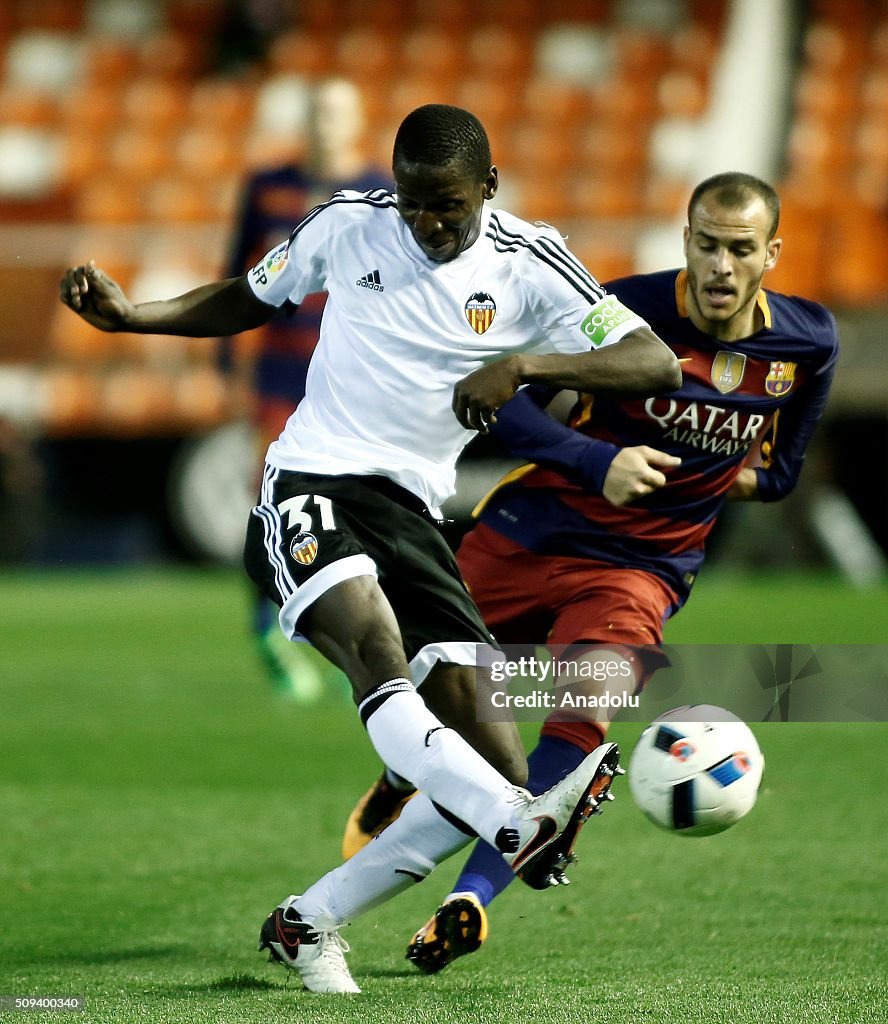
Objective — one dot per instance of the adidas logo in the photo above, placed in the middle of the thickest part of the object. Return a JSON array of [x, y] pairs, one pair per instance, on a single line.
[[371, 280]]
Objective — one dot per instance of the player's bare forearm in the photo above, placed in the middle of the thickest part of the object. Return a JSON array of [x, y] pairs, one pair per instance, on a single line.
[[640, 364], [221, 307]]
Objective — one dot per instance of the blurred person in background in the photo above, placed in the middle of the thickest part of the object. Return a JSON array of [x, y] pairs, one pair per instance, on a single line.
[[599, 541], [275, 360]]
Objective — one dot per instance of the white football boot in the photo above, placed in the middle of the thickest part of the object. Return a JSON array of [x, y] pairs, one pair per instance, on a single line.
[[541, 847], [316, 956]]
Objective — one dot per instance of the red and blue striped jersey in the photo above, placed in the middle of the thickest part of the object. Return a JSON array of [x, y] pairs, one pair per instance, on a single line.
[[753, 401]]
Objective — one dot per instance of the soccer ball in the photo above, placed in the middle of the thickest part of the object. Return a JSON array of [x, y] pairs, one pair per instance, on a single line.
[[696, 770]]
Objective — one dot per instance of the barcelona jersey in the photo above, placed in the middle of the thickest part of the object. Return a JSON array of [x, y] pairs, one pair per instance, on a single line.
[[754, 401]]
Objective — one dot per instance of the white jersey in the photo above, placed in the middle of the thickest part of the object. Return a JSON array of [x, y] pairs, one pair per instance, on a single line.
[[399, 331]]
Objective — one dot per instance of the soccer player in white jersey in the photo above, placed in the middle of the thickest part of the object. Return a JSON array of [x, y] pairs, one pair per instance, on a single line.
[[437, 311]]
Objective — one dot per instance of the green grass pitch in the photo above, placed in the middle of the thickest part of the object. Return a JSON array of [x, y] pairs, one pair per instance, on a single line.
[[157, 798]]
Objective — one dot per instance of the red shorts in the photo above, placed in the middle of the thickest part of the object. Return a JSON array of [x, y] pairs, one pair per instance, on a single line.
[[529, 598]]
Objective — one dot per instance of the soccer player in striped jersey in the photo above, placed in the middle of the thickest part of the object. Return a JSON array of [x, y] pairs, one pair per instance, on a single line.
[[438, 310], [599, 539]]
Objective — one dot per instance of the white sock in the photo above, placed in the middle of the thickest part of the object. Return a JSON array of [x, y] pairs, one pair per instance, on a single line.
[[400, 856], [437, 760]]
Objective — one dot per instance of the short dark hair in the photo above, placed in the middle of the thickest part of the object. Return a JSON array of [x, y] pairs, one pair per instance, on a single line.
[[734, 188], [438, 134]]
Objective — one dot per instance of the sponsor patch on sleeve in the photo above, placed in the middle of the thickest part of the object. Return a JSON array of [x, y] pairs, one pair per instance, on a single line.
[[269, 267], [605, 317]]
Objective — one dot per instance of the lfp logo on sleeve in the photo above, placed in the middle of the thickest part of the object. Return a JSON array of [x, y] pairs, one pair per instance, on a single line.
[[270, 265]]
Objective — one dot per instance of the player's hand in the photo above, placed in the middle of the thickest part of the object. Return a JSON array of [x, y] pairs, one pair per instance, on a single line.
[[95, 296], [745, 487], [636, 472], [477, 397]]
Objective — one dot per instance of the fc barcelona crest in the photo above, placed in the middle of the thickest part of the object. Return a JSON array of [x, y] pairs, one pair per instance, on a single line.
[[781, 378], [304, 548], [727, 371], [480, 311]]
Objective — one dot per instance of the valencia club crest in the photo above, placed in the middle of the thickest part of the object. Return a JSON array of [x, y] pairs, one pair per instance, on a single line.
[[480, 311]]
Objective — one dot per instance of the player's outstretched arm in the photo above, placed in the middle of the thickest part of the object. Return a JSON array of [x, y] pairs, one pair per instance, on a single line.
[[639, 364], [222, 307]]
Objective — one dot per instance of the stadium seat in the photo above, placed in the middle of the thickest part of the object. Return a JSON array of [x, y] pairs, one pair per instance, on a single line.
[[220, 104], [140, 154], [108, 62], [28, 107], [103, 201], [210, 154], [178, 198], [201, 397], [46, 60], [858, 240], [137, 401], [155, 102], [72, 401], [310, 53], [172, 54]]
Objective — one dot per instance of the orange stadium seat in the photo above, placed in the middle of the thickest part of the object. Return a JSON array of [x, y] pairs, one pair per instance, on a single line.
[[557, 104], [387, 15], [607, 196], [137, 155], [135, 400], [73, 400], [605, 256], [28, 106], [155, 101], [320, 16], [177, 198], [58, 15], [92, 110], [598, 148], [202, 397], [172, 54], [497, 102], [663, 197], [433, 50], [452, 15], [103, 201], [502, 50], [641, 53], [857, 239], [221, 105], [305, 51], [210, 154], [545, 197], [367, 55], [108, 62], [831, 97]]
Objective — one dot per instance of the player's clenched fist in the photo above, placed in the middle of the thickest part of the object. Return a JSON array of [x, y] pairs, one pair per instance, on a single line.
[[96, 297], [635, 472], [477, 396]]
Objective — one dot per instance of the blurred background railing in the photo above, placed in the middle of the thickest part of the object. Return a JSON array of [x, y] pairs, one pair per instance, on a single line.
[[128, 126]]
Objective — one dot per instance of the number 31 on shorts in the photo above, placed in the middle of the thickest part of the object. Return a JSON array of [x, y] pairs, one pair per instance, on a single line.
[[297, 516]]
